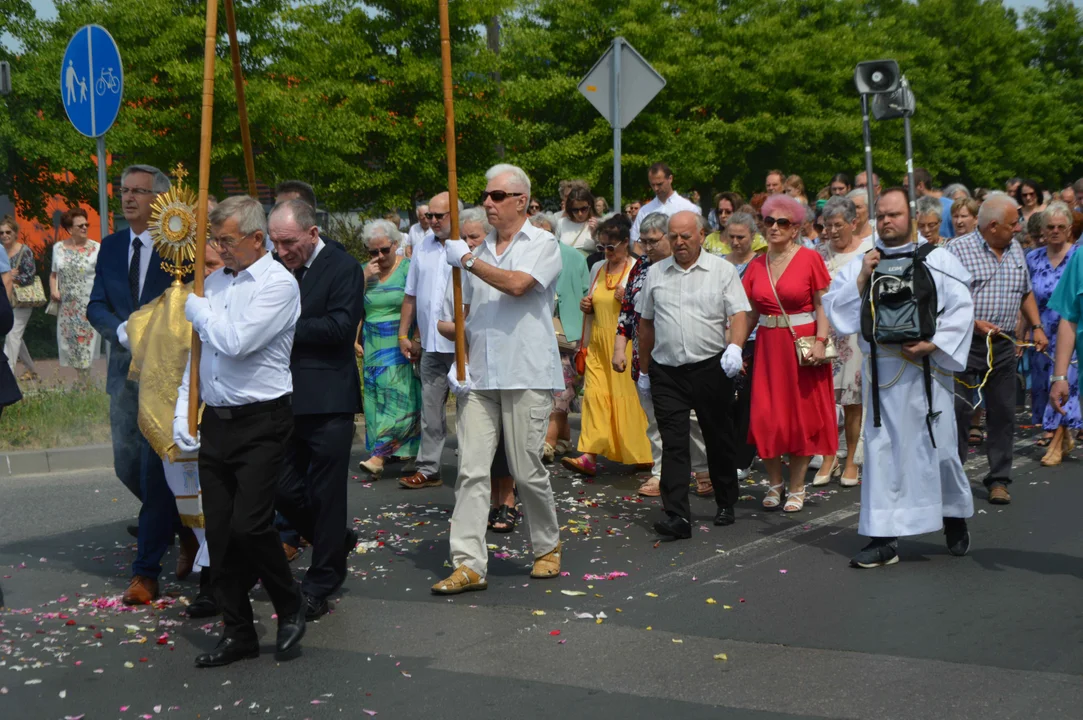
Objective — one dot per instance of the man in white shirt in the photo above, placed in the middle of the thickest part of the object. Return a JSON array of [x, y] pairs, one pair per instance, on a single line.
[[665, 199], [246, 322], [513, 371], [417, 232], [685, 361], [426, 283]]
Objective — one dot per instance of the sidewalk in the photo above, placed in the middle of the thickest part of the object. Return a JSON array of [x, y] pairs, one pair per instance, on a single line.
[[51, 375]]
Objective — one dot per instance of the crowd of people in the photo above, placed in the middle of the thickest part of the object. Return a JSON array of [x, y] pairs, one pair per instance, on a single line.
[[691, 342]]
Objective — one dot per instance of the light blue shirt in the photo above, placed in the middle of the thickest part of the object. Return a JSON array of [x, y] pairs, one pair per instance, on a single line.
[[5, 264]]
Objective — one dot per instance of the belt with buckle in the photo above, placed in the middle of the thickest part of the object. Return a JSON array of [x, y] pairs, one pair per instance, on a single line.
[[779, 321], [237, 412]]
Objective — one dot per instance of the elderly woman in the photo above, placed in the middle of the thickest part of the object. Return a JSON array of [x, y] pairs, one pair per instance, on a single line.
[[930, 216], [860, 198], [1031, 199], [839, 248], [1047, 265], [964, 215], [793, 405], [23, 275], [392, 388], [956, 191], [613, 422], [69, 285]]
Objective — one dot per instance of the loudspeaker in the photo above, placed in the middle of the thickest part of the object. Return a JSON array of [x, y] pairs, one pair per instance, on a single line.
[[894, 105], [874, 77]]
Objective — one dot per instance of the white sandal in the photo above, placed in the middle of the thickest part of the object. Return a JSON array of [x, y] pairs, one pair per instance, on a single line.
[[823, 477], [795, 501], [770, 502]]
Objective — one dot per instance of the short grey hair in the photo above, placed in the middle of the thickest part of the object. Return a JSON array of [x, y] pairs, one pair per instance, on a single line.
[[475, 215], [381, 228], [840, 205], [304, 216], [929, 205], [518, 176], [1057, 207], [994, 207], [161, 180], [862, 193], [950, 190], [538, 218], [245, 209], [655, 222], [745, 220]]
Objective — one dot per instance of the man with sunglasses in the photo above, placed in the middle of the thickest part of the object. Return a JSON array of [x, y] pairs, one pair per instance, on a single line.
[[509, 288], [128, 275], [426, 283], [665, 201]]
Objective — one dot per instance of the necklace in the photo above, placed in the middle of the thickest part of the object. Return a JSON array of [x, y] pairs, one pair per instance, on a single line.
[[618, 275], [384, 276], [779, 257]]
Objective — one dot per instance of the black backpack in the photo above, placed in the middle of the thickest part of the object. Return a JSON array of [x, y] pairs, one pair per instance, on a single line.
[[899, 305]]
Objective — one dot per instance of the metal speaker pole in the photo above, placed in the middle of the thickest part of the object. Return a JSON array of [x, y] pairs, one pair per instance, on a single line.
[[866, 131]]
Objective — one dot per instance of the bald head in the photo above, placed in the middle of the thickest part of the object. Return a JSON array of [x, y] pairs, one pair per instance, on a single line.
[[440, 205], [998, 220], [685, 237]]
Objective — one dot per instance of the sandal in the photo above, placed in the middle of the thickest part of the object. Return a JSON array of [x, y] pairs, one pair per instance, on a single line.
[[976, 436], [548, 453], [823, 477], [774, 497], [506, 516], [1044, 440], [704, 486], [548, 565], [462, 580], [794, 502], [652, 487], [492, 516], [582, 465]]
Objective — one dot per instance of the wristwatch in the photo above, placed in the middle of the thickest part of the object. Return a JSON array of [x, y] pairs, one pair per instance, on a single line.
[[469, 264], [1037, 326], [1058, 378]]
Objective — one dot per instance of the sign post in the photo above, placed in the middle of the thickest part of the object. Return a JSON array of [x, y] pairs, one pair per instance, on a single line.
[[91, 88], [619, 86]]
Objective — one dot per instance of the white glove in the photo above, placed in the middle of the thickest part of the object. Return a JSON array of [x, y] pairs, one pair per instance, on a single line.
[[456, 250], [184, 442], [643, 384], [732, 360], [122, 335], [461, 389], [195, 307]]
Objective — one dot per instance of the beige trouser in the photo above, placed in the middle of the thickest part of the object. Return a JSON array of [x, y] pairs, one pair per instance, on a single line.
[[524, 417], [696, 447]]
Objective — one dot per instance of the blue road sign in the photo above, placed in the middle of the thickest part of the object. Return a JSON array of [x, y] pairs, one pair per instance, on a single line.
[[92, 80]]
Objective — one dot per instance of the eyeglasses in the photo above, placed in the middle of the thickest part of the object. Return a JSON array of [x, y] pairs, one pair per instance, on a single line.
[[1058, 228], [577, 210], [782, 223], [499, 196], [383, 250], [136, 191], [227, 243], [84, 226], [650, 243], [435, 216]]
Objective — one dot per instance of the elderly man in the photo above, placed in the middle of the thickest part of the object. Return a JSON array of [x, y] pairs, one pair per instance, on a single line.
[[911, 486], [685, 360], [1001, 287], [426, 283], [513, 371], [128, 275], [246, 322], [665, 201], [327, 395], [417, 232], [861, 181], [774, 182]]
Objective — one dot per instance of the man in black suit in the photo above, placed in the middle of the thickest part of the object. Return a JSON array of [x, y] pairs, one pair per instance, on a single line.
[[326, 396]]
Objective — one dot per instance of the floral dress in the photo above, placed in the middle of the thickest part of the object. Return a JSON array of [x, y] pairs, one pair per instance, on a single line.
[[1044, 278], [846, 368], [76, 340], [628, 322]]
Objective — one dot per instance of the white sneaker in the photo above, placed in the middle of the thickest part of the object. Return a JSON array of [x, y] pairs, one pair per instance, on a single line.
[[743, 473]]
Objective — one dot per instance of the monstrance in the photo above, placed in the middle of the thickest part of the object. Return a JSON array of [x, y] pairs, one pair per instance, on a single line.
[[173, 226]]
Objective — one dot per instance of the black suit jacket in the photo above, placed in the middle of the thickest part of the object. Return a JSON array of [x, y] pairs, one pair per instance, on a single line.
[[325, 376], [9, 388]]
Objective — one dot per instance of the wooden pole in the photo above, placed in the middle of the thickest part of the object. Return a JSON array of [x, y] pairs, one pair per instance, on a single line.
[[204, 191], [453, 188], [242, 107]]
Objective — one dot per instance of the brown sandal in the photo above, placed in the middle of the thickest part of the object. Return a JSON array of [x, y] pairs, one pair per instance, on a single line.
[[548, 565], [704, 487], [462, 580]]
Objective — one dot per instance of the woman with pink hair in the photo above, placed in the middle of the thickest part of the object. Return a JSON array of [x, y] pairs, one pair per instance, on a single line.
[[793, 404]]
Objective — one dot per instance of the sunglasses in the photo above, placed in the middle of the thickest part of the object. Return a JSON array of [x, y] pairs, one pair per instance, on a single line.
[[435, 216], [578, 210], [614, 246], [383, 250], [535, 206], [499, 196], [782, 223]]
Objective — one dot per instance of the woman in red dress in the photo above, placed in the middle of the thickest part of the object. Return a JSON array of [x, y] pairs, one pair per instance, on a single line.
[[793, 406]]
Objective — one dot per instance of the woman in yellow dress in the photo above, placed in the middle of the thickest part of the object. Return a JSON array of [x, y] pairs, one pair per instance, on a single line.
[[613, 422]]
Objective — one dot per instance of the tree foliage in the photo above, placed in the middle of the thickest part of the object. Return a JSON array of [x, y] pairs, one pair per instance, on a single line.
[[348, 96]]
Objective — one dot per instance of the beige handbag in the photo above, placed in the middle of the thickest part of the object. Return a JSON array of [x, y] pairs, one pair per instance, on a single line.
[[30, 296], [802, 345]]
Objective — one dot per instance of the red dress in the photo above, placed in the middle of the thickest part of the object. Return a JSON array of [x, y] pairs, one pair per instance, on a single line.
[[793, 406]]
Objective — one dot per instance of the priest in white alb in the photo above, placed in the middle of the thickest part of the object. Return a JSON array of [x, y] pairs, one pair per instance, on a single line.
[[909, 487]]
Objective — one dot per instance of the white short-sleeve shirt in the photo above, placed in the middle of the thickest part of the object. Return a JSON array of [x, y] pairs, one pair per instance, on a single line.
[[427, 280], [673, 205]]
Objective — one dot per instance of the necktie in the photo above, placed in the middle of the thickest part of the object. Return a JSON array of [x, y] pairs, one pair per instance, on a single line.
[[133, 271], [300, 273]]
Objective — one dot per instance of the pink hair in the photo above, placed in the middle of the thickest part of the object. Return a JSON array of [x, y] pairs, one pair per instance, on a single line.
[[785, 206]]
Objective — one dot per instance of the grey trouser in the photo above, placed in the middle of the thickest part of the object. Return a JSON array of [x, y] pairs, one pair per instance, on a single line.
[[523, 415], [999, 394], [434, 392]]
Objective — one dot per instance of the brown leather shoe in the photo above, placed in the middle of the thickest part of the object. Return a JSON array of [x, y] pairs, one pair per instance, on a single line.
[[141, 591], [291, 552], [420, 480], [998, 495], [186, 558]]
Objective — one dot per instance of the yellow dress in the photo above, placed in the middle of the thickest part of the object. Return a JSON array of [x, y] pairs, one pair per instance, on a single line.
[[613, 423]]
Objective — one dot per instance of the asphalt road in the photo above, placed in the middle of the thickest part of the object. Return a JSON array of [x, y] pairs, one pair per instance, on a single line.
[[994, 635]]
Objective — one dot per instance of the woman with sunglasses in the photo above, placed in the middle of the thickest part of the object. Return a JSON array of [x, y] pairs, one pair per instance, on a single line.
[[793, 405], [613, 422], [23, 272], [1031, 199], [578, 225], [70, 284], [392, 395]]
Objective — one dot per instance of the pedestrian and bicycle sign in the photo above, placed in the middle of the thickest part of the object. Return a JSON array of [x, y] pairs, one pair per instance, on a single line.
[[92, 80]]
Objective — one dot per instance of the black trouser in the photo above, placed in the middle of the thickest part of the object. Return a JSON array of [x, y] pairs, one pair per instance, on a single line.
[[676, 391], [312, 494], [240, 461], [999, 396], [745, 451]]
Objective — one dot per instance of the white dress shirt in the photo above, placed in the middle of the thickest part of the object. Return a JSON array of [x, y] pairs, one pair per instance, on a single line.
[[512, 342], [320, 245], [247, 336], [691, 308], [427, 281], [144, 255], [673, 205], [413, 238]]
